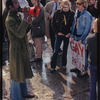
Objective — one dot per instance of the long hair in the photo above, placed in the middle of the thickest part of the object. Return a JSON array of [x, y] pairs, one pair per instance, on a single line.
[[84, 2]]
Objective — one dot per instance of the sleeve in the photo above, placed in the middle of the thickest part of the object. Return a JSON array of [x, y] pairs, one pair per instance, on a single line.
[[54, 24], [19, 31], [72, 28], [46, 10], [87, 28], [39, 18], [71, 21]]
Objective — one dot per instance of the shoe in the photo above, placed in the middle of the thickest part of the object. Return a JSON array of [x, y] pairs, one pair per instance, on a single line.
[[37, 59], [82, 74], [32, 60], [63, 68], [52, 70], [29, 96], [74, 70]]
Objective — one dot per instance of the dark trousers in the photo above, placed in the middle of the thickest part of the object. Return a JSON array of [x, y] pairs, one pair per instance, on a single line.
[[58, 42], [93, 82], [52, 36]]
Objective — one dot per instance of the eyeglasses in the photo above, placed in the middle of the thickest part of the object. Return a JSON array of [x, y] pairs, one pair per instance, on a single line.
[[65, 6], [79, 4]]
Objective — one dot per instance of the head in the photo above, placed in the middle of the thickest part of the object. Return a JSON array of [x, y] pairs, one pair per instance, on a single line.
[[13, 5], [55, 1], [35, 2], [95, 25], [92, 2], [81, 4], [65, 5]]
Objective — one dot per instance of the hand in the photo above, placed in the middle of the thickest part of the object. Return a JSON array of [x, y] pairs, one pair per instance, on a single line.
[[72, 39], [60, 33], [91, 31], [68, 35], [25, 13], [79, 42], [50, 17], [29, 19]]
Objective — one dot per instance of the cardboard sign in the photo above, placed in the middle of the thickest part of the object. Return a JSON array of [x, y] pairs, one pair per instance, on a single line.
[[78, 55]]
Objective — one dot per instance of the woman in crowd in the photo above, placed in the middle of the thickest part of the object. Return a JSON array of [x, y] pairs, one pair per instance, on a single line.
[[62, 22]]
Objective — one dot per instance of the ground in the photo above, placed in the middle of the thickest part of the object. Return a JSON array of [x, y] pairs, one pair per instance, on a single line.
[[61, 85]]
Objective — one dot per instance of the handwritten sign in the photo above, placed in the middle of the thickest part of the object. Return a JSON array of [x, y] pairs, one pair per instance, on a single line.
[[78, 55]]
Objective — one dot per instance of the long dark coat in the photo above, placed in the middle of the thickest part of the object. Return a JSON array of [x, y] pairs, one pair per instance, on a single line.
[[20, 67]]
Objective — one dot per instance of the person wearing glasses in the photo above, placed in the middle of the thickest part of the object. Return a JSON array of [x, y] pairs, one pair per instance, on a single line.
[[62, 23], [80, 29]]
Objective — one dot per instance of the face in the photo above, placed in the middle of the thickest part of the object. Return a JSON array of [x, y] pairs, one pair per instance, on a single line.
[[33, 1], [16, 5], [65, 8], [55, 1], [92, 1], [80, 6]]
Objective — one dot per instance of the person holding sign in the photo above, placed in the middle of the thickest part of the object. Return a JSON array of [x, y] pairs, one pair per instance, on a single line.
[[62, 22], [81, 27]]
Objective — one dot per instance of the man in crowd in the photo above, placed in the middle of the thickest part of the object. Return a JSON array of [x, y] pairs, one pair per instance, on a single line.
[[50, 8], [91, 44], [92, 9], [20, 68], [80, 28], [38, 30]]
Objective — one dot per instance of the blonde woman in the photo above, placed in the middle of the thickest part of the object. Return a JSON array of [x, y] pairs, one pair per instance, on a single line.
[[62, 22]]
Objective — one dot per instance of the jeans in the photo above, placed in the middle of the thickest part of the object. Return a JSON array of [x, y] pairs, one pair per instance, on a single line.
[[93, 81], [17, 90], [58, 42]]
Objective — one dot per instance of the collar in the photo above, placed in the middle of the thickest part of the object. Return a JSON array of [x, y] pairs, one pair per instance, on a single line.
[[12, 13], [83, 11]]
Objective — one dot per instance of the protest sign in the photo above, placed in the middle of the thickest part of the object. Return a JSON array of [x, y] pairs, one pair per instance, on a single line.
[[78, 55]]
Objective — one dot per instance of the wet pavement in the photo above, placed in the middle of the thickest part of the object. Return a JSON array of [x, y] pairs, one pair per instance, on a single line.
[[61, 85]]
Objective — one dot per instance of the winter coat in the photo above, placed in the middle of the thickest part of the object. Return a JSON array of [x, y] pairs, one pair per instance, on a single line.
[[20, 67], [58, 23], [38, 25]]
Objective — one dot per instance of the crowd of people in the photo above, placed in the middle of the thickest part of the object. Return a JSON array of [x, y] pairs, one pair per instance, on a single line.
[[59, 20]]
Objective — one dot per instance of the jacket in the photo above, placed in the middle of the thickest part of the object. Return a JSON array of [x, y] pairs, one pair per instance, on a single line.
[[91, 44], [38, 25], [58, 24], [84, 25], [48, 10], [19, 60]]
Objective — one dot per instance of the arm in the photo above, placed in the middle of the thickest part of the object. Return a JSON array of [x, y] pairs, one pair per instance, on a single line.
[[47, 14], [39, 18], [54, 24], [19, 31], [70, 22], [72, 29], [87, 27]]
